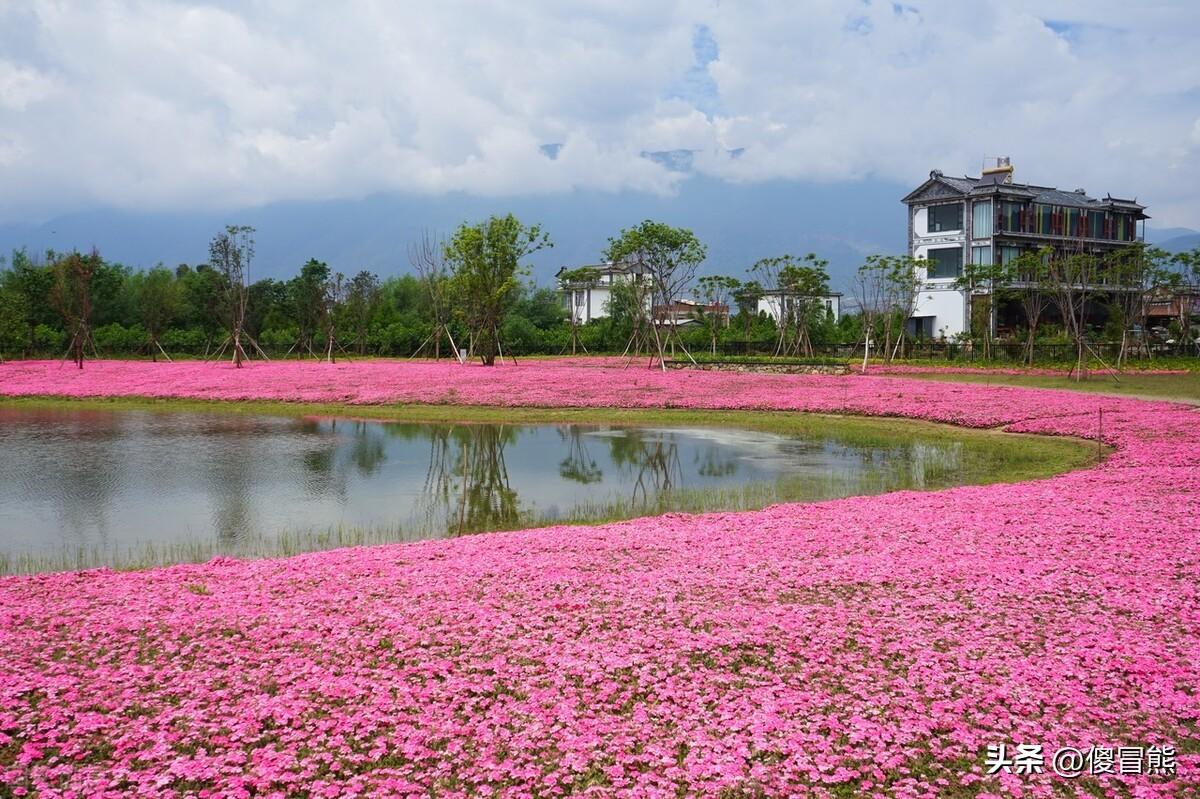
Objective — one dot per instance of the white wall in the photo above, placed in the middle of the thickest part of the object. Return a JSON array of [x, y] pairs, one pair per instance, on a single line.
[[947, 306], [770, 306]]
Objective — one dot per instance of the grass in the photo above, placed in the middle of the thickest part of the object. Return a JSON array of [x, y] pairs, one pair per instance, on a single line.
[[1180, 387], [980, 457]]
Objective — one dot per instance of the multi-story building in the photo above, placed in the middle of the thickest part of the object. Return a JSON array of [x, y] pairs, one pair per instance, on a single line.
[[587, 300], [954, 221]]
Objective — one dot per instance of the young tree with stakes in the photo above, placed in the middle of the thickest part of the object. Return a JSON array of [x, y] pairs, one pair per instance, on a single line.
[[71, 296], [333, 297], [157, 296], [428, 257], [486, 260], [583, 279], [1026, 278], [715, 291], [671, 257], [230, 254]]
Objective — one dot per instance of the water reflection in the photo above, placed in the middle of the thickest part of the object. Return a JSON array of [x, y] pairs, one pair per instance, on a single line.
[[72, 478]]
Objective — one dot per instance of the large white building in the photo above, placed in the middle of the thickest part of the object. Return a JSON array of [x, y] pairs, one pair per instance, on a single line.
[[954, 221], [588, 300]]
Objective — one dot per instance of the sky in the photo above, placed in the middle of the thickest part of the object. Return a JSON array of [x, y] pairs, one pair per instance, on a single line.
[[190, 107]]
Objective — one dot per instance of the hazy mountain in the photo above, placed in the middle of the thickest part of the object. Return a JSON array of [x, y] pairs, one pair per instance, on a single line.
[[1174, 239], [739, 222]]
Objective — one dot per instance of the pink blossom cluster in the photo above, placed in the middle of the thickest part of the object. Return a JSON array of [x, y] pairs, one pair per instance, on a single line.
[[868, 646]]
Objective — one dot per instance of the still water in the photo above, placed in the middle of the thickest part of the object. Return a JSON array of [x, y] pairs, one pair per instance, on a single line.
[[111, 482]]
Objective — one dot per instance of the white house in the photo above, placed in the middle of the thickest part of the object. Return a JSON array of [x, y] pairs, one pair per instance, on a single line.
[[772, 302], [588, 300]]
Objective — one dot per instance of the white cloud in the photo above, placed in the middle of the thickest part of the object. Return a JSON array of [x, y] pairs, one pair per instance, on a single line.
[[174, 104]]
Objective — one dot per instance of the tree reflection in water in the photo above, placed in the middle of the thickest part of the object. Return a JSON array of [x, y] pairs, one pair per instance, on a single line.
[[653, 461], [466, 484]]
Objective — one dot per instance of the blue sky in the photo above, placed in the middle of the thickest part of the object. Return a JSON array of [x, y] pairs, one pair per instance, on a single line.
[[178, 106]]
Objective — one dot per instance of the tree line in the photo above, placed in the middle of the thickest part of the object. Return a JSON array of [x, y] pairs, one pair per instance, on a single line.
[[470, 293]]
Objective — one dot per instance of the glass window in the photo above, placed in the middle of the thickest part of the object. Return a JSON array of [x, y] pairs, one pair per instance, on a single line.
[[945, 262], [1010, 217], [1043, 219], [981, 255], [981, 220], [1009, 254], [945, 217]]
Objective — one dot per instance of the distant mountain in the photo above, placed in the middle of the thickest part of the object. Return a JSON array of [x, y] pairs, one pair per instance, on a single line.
[[1174, 239], [740, 223]]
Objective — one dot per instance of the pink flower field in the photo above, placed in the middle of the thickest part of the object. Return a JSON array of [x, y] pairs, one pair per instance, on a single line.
[[870, 646]]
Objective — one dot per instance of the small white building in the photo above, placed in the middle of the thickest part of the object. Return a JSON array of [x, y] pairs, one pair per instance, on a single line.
[[588, 300], [773, 302]]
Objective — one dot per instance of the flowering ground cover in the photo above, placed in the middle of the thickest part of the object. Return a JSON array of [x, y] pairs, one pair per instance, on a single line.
[[865, 646]]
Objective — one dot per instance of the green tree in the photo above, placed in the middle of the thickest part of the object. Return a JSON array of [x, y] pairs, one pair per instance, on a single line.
[[230, 253], [157, 297], [747, 295], [362, 301], [715, 291], [306, 292], [670, 257], [486, 263]]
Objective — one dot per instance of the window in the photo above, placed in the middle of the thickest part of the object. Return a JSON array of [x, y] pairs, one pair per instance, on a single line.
[[1009, 254], [981, 256], [945, 217], [981, 220], [1010, 217], [945, 262], [1043, 219], [578, 298]]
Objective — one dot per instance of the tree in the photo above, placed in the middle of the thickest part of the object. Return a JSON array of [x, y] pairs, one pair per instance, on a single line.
[[1183, 279], [1071, 279], [1026, 278], [803, 284], [428, 257], [715, 291], [71, 295], [306, 293], [982, 282], [14, 311], [333, 296], [32, 282], [230, 254], [157, 297], [362, 300], [670, 257], [485, 259], [869, 288], [585, 278], [1135, 271], [747, 296], [799, 285]]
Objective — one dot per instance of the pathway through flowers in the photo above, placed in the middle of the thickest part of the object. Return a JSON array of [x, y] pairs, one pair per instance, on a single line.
[[872, 645]]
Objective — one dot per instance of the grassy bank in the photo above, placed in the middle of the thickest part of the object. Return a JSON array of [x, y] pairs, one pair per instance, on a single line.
[[1178, 387], [979, 456]]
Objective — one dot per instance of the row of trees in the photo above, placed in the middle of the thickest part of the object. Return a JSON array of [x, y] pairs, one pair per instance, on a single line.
[[470, 292], [1123, 281]]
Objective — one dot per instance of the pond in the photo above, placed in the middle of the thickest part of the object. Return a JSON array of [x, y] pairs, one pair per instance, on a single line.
[[83, 487]]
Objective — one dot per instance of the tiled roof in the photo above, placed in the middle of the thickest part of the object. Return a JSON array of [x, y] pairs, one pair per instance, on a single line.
[[992, 184]]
